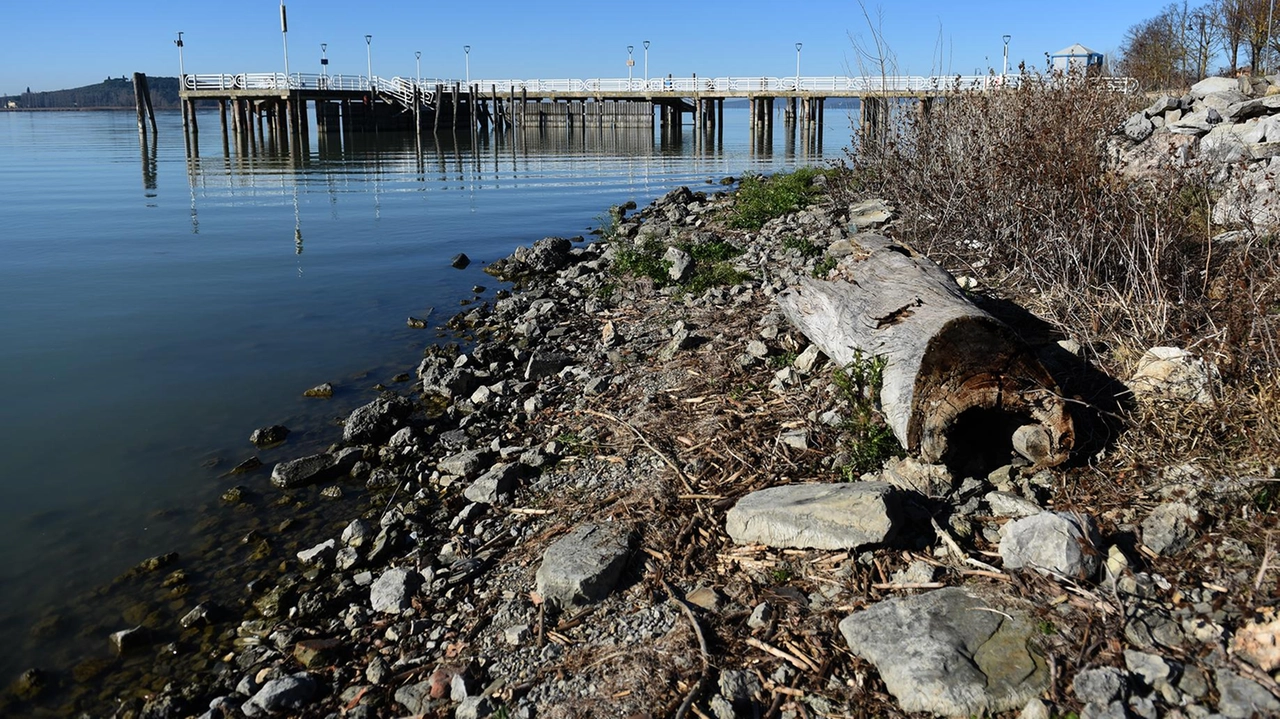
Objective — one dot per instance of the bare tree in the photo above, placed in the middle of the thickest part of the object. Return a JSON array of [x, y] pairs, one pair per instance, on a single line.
[[1204, 32], [1154, 51], [1231, 28]]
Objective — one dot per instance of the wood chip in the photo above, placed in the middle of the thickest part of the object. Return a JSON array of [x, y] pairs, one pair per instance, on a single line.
[[770, 649]]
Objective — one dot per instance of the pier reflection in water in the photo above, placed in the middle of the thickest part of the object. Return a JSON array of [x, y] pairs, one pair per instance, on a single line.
[[203, 300]]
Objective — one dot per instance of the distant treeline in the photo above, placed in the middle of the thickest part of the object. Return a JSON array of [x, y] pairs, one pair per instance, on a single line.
[[112, 92]]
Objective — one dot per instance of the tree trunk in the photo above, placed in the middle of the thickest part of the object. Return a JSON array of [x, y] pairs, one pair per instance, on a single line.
[[958, 383]]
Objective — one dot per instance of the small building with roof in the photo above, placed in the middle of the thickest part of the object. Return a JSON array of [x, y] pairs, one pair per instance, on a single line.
[[1077, 58]]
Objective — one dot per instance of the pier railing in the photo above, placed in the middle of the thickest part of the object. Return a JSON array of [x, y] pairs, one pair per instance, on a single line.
[[830, 86]]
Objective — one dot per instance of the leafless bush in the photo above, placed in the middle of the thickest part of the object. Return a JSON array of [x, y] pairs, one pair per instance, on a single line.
[[1017, 188]]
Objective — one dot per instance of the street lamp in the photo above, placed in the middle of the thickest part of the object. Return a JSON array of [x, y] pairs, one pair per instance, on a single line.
[[182, 73], [368, 56], [1005, 71], [466, 51], [646, 62], [630, 64], [417, 59], [324, 64], [798, 46], [284, 35]]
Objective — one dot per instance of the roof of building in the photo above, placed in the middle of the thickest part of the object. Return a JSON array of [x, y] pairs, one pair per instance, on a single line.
[[1076, 50]]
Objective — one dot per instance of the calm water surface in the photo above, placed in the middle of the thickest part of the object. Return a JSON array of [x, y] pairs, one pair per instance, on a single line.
[[155, 309]]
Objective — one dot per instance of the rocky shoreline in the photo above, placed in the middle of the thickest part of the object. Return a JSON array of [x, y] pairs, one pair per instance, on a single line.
[[631, 495]]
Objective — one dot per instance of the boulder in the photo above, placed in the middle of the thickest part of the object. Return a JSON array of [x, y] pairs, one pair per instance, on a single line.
[[495, 486], [546, 255], [1170, 528], [1138, 128], [1211, 85], [1053, 542], [286, 694], [583, 566], [1171, 373], [269, 436], [392, 592], [1223, 146], [1240, 698], [306, 470], [817, 516], [912, 475], [947, 652], [680, 264], [376, 421]]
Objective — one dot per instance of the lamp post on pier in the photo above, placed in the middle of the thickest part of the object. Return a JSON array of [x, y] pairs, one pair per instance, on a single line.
[[182, 73], [284, 34], [368, 57], [1004, 72], [646, 62], [630, 64], [417, 59], [324, 65], [466, 52], [798, 46]]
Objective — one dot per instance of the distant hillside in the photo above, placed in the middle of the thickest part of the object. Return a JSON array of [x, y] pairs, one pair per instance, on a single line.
[[112, 92]]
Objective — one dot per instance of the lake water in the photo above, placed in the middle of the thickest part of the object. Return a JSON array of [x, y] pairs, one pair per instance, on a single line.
[[154, 309]]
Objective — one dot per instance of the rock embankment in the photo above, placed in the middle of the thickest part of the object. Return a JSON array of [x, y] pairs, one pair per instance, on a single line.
[[626, 496]]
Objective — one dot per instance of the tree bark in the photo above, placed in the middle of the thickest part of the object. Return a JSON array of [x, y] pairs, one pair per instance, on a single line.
[[957, 381]]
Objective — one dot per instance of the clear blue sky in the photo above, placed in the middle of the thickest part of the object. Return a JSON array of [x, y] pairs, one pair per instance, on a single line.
[[68, 43]]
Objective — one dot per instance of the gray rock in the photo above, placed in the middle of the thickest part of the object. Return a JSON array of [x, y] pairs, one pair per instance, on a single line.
[[1172, 373], [495, 486], [545, 364], [319, 553], [1170, 528], [739, 687], [1223, 146], [1099, 685], [269, 436], [760, 616], [942, 652], [1214, 84], [681, 264], [757, 349], [1007, 504], [546, 255], [127, 641], [474, 708], [323, 391], [870, 214], [1151, 668], [415, 697], [1035, 709], [356, 534], [1246, 109], [1195, 123], [583, 566], [463, 464], [1138, 128], [808, 359], [1058, 543], [817, 516], [306, 470], [1240, 698], [460, 261], [1162, 105], [909, 473], [375, 421], [1110, 710], [1219, 102], [286, 694], [392, 592]]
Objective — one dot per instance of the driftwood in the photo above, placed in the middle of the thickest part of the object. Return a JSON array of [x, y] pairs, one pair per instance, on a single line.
[[958, 383]]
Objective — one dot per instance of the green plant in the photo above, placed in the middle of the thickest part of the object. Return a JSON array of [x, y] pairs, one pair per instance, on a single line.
[[804, 247], [868, 439], [781, 575], [643, 259], [786, 359], [823, 266], [760, 199]]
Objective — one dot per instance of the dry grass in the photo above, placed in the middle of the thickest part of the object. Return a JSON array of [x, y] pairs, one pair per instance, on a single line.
[[1018, 188]]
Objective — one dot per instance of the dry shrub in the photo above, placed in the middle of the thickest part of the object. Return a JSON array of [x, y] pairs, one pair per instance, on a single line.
[[1018, 187]]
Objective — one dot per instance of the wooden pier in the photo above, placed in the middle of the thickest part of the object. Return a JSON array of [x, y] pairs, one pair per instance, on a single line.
[[274, 109]]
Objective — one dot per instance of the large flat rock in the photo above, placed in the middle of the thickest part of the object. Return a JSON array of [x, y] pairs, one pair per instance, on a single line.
[[947, 652], [583, 566], [816, 516]]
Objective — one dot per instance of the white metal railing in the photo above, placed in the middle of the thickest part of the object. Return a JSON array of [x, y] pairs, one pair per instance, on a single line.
[[402, 88]]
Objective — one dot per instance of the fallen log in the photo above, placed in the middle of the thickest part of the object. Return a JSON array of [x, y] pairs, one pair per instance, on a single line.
[[958, 384]]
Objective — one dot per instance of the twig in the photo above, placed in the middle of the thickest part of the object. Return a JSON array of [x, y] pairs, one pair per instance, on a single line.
[[692, 696], [795, 661], [1267, 555], [665, 459]]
